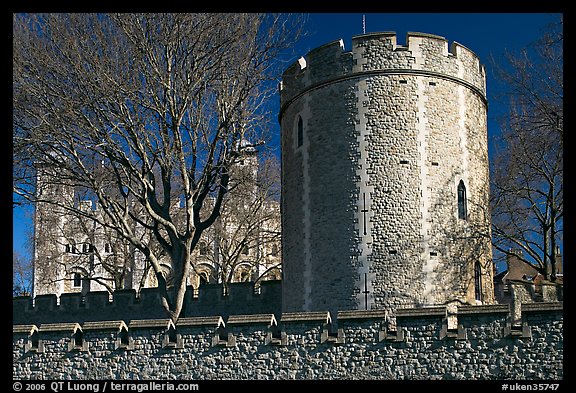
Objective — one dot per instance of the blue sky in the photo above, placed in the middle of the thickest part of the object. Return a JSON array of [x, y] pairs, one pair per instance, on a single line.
[[484, 33]]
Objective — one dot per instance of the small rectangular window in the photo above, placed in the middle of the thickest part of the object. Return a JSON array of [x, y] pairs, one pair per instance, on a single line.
[[404, 162], [434, 163], [77, 280], [403, 81], [300, 133], [432, 83]]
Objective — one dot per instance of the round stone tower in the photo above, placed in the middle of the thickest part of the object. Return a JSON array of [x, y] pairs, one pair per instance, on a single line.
[[385, 176]]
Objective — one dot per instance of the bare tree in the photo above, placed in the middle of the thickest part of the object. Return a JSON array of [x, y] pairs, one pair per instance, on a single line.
[[144, 114], [527, 167], [245, 241], [21, 275]]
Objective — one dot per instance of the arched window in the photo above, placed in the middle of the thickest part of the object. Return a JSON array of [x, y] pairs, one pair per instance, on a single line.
[[300, 135], [462, 208], [124, 338], [203, 248], [34, 340], [77, 280], [78, 339], [477, 281]]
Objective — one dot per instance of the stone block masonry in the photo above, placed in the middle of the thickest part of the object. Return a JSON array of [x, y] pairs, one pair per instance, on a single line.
[[377, 144], [303, 345], [242, 298]]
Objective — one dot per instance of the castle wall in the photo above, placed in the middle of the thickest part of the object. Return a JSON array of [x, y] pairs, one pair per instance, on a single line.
[[125, 305], [370, 198], [304, 346]]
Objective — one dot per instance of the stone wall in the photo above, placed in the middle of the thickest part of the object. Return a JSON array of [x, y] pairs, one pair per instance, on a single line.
[[242, 298], [369, 204], [355, 345]]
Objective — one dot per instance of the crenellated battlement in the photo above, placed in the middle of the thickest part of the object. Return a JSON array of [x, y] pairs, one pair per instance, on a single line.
[[318, 345], [379, 53], [241, 298]]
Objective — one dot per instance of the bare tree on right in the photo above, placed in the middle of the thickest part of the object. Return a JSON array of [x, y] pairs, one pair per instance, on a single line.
[[527, 165]]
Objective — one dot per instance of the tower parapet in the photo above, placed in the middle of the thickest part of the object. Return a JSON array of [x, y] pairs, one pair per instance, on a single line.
[[379, 52], [385, 176]]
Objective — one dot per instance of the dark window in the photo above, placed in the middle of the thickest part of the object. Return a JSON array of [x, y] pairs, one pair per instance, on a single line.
[[172, 337], [203, 248], [78, 338], [34, 340], [274, 250], [124, 338], [245, 249], [245, 276], [107, 247], [462, 208], [86, 248], [68, 248], [77, 280], [300, 137], [478, 282]]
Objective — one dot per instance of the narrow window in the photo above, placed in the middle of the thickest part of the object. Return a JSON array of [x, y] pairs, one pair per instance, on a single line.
[[68, 248], [77, 280], [78, 339], [245, 249], [124, 338], [274, 250], [86, 248], [477, 281], [300, 136], [107, 247], [172, 337], [462, 208], [203, 248], [34, 340]]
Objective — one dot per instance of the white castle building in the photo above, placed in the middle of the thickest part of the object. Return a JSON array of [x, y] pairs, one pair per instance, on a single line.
[[73, 254]]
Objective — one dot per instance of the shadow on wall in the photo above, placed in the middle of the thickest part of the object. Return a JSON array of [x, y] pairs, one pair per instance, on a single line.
[[242, 298]]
